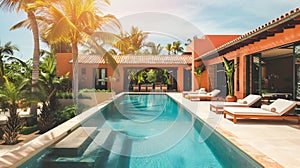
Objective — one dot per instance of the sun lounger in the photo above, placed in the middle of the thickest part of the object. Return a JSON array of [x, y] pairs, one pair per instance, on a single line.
[[203, 96], [143, 88], [199, 91], [149, 88], [164, 88], [277, 110], [135, 88], [248, 101], [157, 87]]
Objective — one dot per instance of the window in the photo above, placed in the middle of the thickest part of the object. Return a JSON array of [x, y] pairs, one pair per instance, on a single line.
[[83, 71]]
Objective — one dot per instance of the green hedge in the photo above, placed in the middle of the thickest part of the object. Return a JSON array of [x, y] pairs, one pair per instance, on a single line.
[[28, 129]]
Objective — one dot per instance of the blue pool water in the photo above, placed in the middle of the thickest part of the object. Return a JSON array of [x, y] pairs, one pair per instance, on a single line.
[[141, 131]]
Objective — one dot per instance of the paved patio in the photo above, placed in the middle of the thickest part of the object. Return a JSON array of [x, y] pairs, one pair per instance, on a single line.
[[23, 140], [274, 143]]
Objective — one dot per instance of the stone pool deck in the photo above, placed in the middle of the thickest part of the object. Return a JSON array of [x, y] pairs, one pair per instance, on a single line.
[[273, 143]]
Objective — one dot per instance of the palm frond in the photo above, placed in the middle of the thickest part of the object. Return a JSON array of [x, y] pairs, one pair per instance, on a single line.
[[24, 23], [106, 37], [18, 60]]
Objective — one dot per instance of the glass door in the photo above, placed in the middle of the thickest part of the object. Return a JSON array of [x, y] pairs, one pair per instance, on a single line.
[[100, 76], [297, 71], [253, 71]]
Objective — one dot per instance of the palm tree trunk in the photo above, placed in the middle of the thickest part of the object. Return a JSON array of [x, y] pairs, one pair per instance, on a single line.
[[75, 71], [1, 72], [36, 57]]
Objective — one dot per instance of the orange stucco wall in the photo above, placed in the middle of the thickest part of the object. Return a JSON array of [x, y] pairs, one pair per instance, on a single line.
[[62, 64], [201, 46], [286, 37]]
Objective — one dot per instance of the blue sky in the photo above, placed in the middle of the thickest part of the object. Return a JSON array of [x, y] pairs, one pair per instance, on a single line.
[[169, 20]]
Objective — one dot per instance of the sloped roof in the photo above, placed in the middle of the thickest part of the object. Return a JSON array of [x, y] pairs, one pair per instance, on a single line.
[[138, 59], [269, 29]]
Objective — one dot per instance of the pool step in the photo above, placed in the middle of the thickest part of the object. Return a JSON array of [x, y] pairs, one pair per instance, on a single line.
[[61, 160], [75, 143], [68, 162], [103, 150], [122, 145], [103, 139]]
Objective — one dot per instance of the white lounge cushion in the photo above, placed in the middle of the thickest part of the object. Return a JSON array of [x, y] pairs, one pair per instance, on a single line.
[[214, 93], [227, 104], [251, 99], [268, 108], [249, 111], [246, 102], [283, 105], [201, 91], [241, 101]]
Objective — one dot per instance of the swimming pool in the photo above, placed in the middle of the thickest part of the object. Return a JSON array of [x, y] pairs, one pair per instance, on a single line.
[[147, 130]]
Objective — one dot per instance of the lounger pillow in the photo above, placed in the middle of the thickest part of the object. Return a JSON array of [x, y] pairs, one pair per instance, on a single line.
[[201, 91], [242, 101], [268, 108], [214, 93]]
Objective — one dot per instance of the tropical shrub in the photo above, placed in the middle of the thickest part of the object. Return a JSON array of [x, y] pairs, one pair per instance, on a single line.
[[46, 120], [12, 94], [65, 114], [48, 86], [28, 129]]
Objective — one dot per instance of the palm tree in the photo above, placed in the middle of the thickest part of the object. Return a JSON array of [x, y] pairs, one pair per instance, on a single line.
[[30, 7], [177, 47], [169, 48], [6, 51], [132, 42], [155, 49], [12, 94], [137, 38], [74, 22]]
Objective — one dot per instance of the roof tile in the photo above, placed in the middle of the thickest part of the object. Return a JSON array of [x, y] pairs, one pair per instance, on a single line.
[[138, 59]]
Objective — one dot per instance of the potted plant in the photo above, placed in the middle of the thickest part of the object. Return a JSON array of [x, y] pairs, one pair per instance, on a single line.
[[198, 71], [229, 72]]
